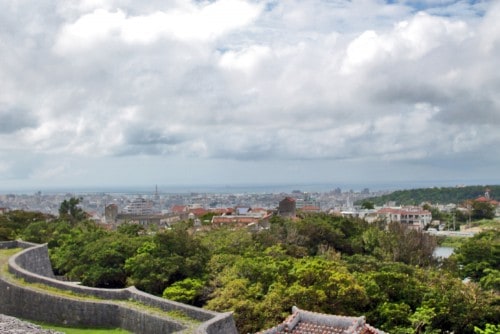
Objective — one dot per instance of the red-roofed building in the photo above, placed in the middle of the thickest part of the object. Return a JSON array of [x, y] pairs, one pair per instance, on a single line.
[[412, 216], [179, 209], [198, 212], [222, 211], [487, 199], [310, 209], [234, 220], [305, 322]]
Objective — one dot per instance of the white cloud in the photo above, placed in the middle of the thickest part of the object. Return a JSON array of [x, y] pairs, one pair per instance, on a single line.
[[245, 60], [490, 29], [204, 22], [408, 40]]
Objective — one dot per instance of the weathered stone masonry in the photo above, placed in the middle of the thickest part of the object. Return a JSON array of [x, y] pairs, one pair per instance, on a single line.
[[33, 265]]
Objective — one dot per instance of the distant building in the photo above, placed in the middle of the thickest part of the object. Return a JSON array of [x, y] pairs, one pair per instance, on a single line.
[[159, 220], [236, 221], [110, 213], [310, 209], [369, 215], [198, 212], [139, 206], [243, 217], [413, 216], [141, 215], [301, 321], [287, 207], [487, 199], [179, 209]]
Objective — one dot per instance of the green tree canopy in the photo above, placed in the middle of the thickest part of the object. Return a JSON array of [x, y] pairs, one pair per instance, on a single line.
[[69, 210]]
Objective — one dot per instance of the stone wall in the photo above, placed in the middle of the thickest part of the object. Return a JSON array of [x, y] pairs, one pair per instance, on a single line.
[[35, 259], [8, 244], [33, 265], [169, 305]]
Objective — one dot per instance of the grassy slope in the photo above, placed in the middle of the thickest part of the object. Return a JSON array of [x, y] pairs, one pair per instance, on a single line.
[[71, 330]]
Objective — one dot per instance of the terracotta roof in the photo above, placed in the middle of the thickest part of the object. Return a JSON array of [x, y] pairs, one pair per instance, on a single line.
[[258, 209], [404, 211], [310, 208], [198, 211], [179, 208], [234, 220], [483, 199], [301, 322]]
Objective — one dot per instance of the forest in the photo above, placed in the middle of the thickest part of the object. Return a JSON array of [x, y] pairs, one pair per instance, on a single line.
[[436, 195], [318, 262]]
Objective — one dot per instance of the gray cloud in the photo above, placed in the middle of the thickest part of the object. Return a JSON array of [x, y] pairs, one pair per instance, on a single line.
[[284, 81], [15, 119]]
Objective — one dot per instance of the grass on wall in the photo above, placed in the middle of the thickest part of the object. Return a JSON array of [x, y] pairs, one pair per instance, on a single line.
[[72, 330]]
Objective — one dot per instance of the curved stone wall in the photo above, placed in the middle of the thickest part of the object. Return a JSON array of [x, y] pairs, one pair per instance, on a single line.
[[33, 265]]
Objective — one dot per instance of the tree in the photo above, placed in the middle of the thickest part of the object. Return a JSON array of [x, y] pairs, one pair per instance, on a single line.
[[102, 262], [166, 258], [479, 253], [51, 232], [262, 286], [482, 210], [70, 210], [403, 244], [368, 205], [130, 229], [489, 329], [393, 316], [189, 291], [12, 224], [6, 234], [490, 279]]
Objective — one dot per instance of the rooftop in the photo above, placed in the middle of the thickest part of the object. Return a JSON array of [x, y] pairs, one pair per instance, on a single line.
[[305, 322]]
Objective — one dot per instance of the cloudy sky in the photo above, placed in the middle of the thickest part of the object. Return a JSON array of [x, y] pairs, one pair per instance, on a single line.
[[179, 92]]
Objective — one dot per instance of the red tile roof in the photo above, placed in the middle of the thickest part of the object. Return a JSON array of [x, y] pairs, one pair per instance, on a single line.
[[234, 220], [404, 211], [483, 199], [301, 322], [179, 209], [310, 208], [198, 212]]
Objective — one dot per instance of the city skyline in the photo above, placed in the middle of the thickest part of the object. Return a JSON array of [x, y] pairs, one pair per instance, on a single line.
[[228, 93]]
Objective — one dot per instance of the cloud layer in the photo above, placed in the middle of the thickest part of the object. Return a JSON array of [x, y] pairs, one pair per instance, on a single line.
[[270, 82]]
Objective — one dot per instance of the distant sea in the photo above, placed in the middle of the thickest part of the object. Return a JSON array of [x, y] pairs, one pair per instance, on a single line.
[[237, 188]]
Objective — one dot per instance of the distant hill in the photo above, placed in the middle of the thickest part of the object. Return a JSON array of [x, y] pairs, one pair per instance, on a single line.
[[435, 195]]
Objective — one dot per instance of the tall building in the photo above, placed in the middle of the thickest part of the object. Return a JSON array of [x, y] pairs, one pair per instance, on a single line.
[[287, 207], [139, 206], [110, 213]]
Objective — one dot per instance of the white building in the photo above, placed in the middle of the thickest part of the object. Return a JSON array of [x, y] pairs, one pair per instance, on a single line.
[[412, 216]]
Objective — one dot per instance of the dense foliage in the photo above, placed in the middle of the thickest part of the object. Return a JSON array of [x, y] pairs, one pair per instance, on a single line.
[[435, 195], [319, 262]]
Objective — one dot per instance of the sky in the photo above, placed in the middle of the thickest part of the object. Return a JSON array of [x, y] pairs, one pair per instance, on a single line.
[[104, 93]]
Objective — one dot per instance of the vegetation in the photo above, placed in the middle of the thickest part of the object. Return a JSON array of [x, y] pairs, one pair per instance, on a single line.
[[490, 329], [73, 330], [318, 262], [454, 242], [435, 195]]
